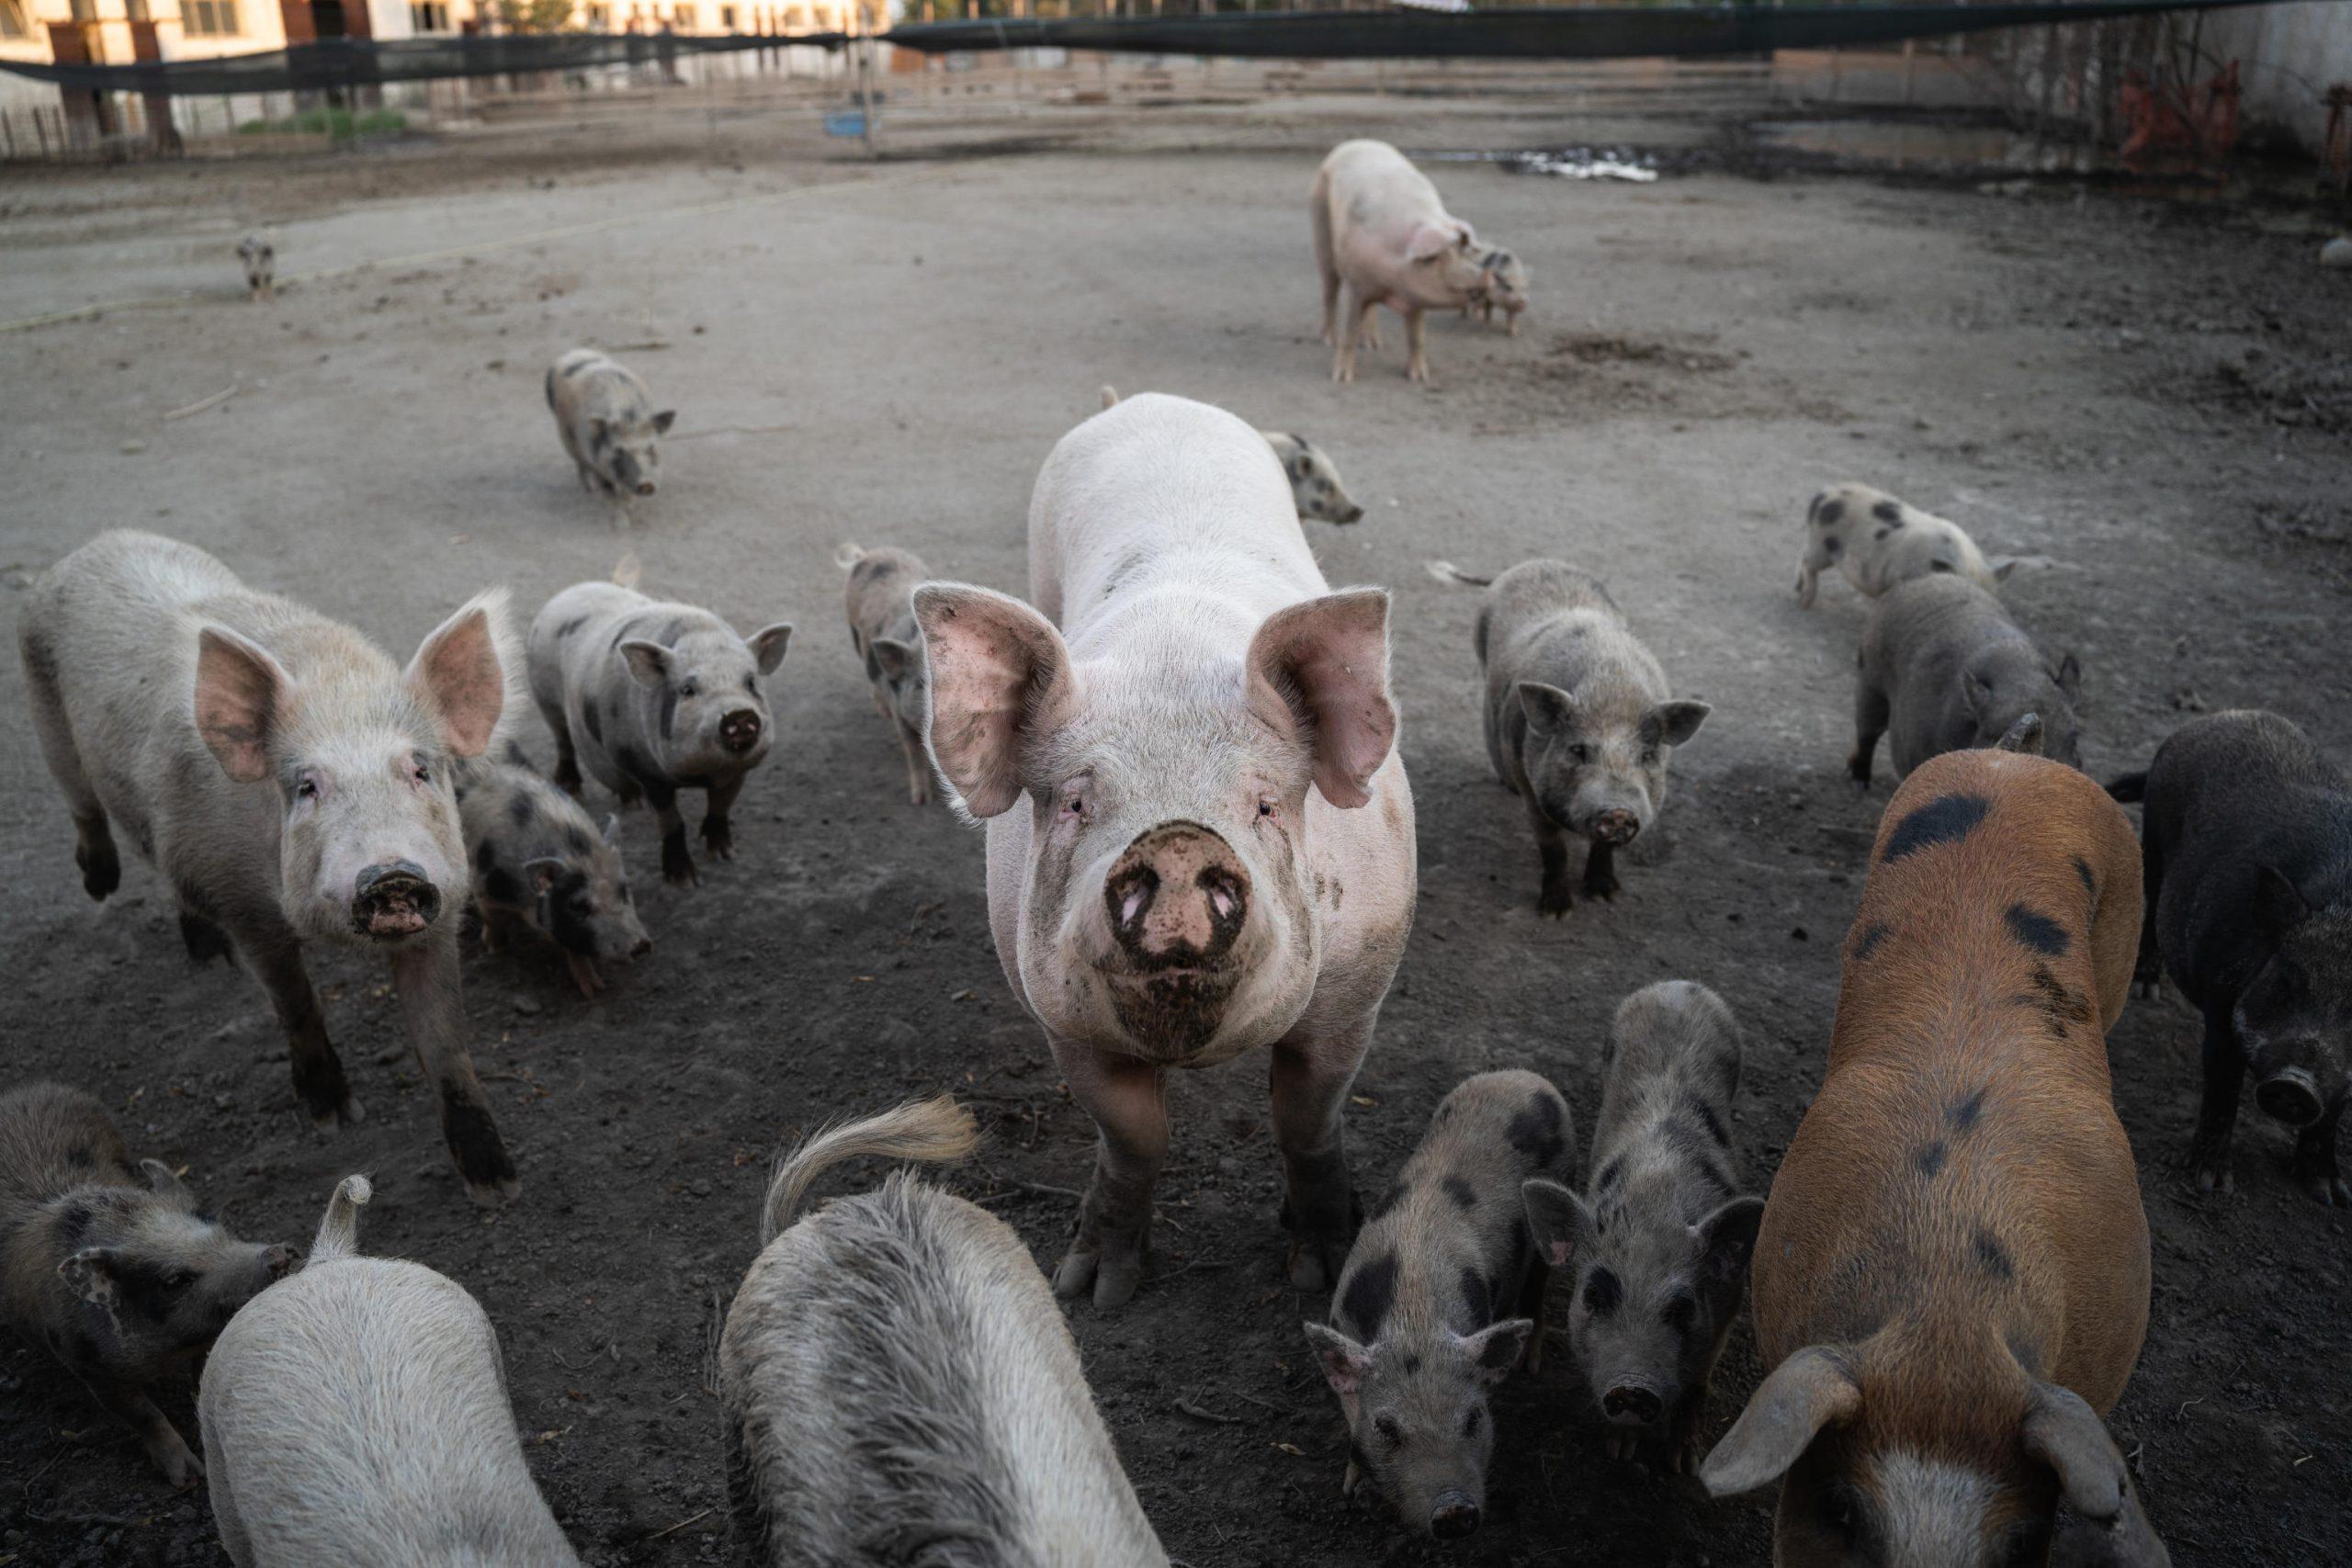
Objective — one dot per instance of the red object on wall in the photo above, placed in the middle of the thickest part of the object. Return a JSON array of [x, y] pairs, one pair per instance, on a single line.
[[307, 21], [2198, 119], [144, 45], [88, 115]]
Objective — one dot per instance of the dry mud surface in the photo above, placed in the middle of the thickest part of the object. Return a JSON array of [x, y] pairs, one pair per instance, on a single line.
[[2150, 396]]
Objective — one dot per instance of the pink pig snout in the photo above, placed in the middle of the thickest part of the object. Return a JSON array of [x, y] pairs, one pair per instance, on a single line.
[[1178, 898]]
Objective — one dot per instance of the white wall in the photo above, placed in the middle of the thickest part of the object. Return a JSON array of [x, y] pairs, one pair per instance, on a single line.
[[2288, 56]]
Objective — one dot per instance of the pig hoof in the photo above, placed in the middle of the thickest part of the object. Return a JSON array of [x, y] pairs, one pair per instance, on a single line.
[[1554, 902], [720, 844], [497, 1190], [677, 862], [1074, 1273], [2213, 1176], [1314, 1265], [1603, 887], [101, 870], [1115, 1282]]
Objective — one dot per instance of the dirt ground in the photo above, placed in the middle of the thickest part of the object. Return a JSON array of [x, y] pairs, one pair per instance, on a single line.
[[2151, 393]]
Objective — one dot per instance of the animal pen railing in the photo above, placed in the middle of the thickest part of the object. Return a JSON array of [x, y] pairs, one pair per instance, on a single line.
[[2105, 69]]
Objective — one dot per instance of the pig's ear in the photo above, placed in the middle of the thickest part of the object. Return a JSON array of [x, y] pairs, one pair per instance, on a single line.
[[1560, 1221], [242, 694], [1678, 720], [467, 668], [1344, 1361], [1427, 243], [1496, 1348], [891, 656], [2001, 566], [2279, 904], [664, 420], [1727, 1239], [160, 1179], [2070, 676], [613, 830], [648, 662], [1977, 693], [2066, 1434], [2026, 735], [1000, 674], [1810, 1390], [768, 643], [1326, 662], [543, 871], [1550, 711], [89, 1274]]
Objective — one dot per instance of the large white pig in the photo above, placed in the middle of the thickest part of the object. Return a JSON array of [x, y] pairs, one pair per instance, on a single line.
[[1381, 231], [1199, 839]]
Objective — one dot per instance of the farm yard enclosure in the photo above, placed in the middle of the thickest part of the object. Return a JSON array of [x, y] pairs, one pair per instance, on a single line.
[[2149, 397]]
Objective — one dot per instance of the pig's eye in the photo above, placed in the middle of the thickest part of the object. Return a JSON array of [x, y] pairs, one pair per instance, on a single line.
[[1266, 810], [1390, 1432], [424, 774], [1472, 1419], [1579, 752], [1075, 805], [688, 688], [306, 788], [1679, 1312], [178, 1280]]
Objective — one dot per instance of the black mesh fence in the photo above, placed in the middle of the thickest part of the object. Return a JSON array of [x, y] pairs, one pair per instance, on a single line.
[[1596, 32], [355, 62]]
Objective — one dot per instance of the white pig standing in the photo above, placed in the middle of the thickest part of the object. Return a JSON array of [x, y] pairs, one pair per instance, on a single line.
[[1382, 234], [356, 1414], [608, 425], [895, 1377], [1200, 836], [653, 698], [290, 781]]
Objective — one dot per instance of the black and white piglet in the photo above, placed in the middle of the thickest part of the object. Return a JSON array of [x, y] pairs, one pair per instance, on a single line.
[[1441, 1298], [540, 864], [1658, 1244]]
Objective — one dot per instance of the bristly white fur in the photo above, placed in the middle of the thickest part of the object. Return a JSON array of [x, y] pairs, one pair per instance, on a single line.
[[1932, 1514]]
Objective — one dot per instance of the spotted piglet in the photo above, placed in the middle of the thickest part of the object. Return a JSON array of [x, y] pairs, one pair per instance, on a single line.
[[1659, 1245], [1877, 541], [653, 698], [879, 599], [120, 1276], [540, 863], [259, 258], [608, 425], [1421, 1324]]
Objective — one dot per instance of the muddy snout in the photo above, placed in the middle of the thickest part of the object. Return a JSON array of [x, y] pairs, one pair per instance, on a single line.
[[1454, 1517], [1178, 896], [393, 898], [644, 487], [2293, 1083], [739, 730], [1615, 827], [1631, 1404]]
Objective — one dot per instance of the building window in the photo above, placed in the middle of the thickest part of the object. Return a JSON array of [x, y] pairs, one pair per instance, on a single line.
[[209, 18], [600, 18], [726, 18], [12, 20], [428, 16], [684, 17]]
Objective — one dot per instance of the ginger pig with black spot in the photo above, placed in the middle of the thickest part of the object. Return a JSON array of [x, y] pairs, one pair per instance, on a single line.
[[1951, 1277]]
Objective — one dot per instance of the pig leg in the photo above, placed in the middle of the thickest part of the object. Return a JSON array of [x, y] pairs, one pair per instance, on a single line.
[[1417, 362], [1551, 845], [917, 764], [2209, 1151], [1343, 353], [718, 831], [1534, 1302], [2149, 974], [1128, 1100], [204, 941], [427, 979], [276, 959], [567, 761], [1310, 1077], [677, 861], [1320, 207], [94, 850], [1600, 870], [1871, 713], [2314, 1168], [156, 1435]]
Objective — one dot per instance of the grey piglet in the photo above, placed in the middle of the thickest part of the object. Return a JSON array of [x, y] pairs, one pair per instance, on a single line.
[[1943, 668], [1440, 1297], [609, 427], [1581, 722], [1656, 1250], [879, 599], [119, 1275], [652, 698]]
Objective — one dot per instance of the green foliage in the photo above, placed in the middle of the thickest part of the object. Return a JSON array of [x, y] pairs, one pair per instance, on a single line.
[[534, 16], [338, 123]]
